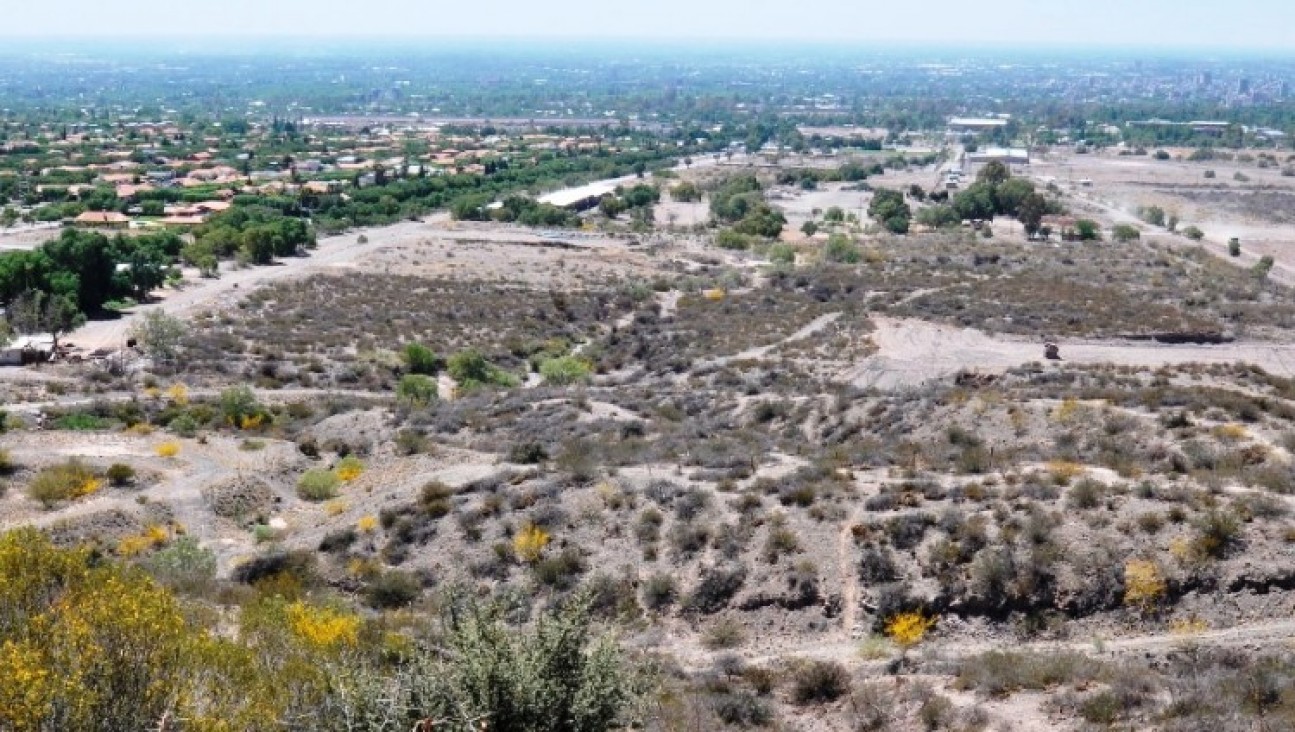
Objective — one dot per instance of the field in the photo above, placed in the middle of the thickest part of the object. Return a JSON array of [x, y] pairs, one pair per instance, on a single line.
[[815, 494]]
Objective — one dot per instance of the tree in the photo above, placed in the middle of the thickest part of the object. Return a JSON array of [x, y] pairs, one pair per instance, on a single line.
[[35, 312], [159, 335], [1031, 212], [977, 202], [1125, 233], [994, 173], [809, 228], [1263, 267], [889, 209]]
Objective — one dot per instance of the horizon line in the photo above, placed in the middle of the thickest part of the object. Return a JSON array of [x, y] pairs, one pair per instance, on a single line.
[[799, 43]]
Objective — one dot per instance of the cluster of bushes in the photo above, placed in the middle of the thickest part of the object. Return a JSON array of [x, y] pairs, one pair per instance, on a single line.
[[740, 202], [88, 643]]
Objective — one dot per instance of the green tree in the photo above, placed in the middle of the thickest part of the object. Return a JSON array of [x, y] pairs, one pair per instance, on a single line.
[[35, 312], [1031, 212], [994, 173]]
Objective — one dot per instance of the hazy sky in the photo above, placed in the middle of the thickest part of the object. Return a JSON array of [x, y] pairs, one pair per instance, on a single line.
[[1257, 24]]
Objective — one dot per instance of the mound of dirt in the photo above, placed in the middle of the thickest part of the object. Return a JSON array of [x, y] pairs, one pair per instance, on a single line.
[[105, 528], [354, 432], [240, 497]]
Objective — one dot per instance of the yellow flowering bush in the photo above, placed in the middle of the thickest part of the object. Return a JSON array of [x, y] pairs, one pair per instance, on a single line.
[[349, 468], [367, 524], [64, 482], [168, 449], [1144, 585], [529, 543], [323, 627], [178, 394], [908, 629]]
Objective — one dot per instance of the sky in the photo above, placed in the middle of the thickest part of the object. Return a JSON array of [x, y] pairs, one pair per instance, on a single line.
[[1216, 24]]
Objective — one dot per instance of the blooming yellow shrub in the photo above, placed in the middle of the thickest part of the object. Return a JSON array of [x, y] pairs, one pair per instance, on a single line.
[[1144, 586], [529, 543], [251, 422], [908, 629], [1230, 432], [153, 537], [178, 394], [349, 469], [367, 524], [323, 627], [168, 449]]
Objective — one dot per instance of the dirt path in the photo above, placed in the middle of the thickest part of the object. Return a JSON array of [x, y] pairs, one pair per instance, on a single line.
[[912, 352]]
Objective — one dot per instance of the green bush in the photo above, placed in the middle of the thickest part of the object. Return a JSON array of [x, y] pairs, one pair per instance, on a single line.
[[120, 474], [318, 485], [471, 370], [421, 360], [417, 390], [62, 482], [185, 565], [564, 371], [81, 422], [841, 250], [392, 590]]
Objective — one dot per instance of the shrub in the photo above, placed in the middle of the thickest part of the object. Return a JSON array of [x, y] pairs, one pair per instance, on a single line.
[[909, 628], [238, 405], [63, 482], [470, 370], [660, 591], [120, 474], [1217, 532], [168, 449], [183, 425], [421, 360], [318, 485], [724, 634], [417, 390], [1125, 233], [529, 543], [564, 371], [392, 590], [716, 587], [81, 422], [1194, 233], [818, 682], [7, 465], [840, 249], [1000, 673], [527, 453], [1144, 586], [349, 468], [185, 565]]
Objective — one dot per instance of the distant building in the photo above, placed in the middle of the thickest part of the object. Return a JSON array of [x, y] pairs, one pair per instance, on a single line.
[[973, 125], [102, 220], [1007, 155]]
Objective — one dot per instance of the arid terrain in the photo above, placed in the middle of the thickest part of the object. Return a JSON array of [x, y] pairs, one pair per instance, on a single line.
[[757, 461]]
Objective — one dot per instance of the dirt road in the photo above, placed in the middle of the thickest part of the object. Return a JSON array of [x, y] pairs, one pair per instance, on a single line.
[[912, 352]]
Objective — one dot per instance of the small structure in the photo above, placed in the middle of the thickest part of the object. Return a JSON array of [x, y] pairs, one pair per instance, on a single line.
[[26, 350], [1051, 351], [103, 220]]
